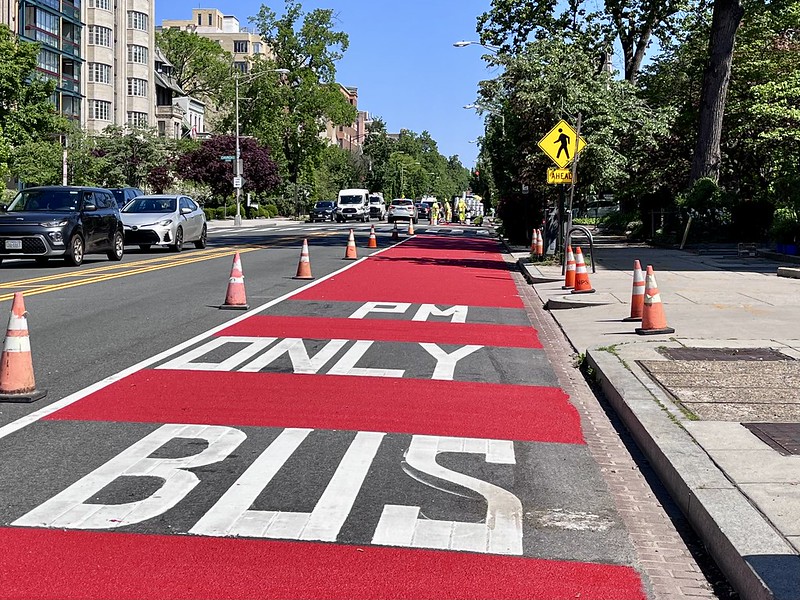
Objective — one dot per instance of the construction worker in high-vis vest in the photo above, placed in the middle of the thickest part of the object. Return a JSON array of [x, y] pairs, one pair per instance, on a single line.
[[462, 210], [448, 212], [435, 213]]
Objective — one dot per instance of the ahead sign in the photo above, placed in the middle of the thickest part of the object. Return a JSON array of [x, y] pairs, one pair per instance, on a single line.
[[559, 176]]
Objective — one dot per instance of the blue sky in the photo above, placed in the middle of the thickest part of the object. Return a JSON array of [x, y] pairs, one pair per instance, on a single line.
[[401, 59]]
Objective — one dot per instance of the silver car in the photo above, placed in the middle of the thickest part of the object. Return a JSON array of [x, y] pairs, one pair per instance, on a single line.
[[164, 221], [402, 209]]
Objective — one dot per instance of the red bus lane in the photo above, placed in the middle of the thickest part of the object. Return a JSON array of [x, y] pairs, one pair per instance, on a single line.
[[392, 431]]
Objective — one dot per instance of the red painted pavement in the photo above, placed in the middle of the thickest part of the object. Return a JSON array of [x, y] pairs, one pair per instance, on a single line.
[[386, 330], [423, 270], [414, 406], [68, 565]]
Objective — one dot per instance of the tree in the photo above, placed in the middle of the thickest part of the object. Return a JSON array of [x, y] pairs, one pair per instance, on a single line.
[[203, 68], [725, 21], [26, 113], [290, 113], [129, 155], [510, 23], [204, 165]]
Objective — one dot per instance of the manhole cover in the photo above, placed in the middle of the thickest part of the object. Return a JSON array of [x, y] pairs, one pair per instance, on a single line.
[[783, 437], [723, 354]]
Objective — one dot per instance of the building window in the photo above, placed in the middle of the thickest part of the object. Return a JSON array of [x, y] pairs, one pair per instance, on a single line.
[[137, 54], [241, 46], [209, 19], [162, 128], [99, 36], [104, 4], [138, 20], [48, 61], [256, 47], [137, 119], [42, 26], [137, 87], [240, 66], [100, 110], [99, 73]]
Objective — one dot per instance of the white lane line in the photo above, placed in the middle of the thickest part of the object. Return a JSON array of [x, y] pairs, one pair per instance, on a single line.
[[10, 428]]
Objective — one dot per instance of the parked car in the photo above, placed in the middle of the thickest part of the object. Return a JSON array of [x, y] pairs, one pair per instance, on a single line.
[[402, 209], [124, 195], [377, 206], [323, 211], [60, 221], [164, 220]]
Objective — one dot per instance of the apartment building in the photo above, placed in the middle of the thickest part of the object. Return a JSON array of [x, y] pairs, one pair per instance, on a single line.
[[243, 43], [120, 42], [350, 137], [57, 26]]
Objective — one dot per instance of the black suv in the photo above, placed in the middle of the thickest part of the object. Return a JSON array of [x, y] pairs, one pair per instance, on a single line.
[[323, 211], [69, 222]]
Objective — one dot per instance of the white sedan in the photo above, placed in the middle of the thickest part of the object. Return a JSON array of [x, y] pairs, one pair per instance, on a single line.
[[164, 221]]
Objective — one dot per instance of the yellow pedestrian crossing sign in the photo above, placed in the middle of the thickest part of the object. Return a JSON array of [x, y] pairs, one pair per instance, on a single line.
[[559, 144]]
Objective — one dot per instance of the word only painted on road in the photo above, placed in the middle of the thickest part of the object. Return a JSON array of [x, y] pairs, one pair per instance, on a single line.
[[80, 506], [256, 353], [457, 314]]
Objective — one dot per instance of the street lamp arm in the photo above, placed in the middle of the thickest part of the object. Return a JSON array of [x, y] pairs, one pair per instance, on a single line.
[[464, 43]]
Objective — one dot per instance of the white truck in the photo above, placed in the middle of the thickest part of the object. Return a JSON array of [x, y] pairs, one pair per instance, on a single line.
[[352, 205]]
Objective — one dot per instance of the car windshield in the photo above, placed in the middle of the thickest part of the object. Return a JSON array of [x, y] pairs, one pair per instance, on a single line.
[[351, 199], [46, 200], [143, 204], [324, 204], [402, 203]]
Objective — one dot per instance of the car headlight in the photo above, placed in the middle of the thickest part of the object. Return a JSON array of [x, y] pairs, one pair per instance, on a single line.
[[165, 223], [61, 223]]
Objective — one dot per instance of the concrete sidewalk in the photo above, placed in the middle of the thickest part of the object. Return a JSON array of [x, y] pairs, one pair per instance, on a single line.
[[715, 406]]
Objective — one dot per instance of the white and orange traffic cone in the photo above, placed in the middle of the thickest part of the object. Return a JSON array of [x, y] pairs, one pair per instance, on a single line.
[[637, 295], [304, 266], [235, 297], [533, 242], [395, 233], [373, 241], [654, 322], [540, 243], [411, 227], [17, 383], [569, 277], [350, 252], [582, 284]]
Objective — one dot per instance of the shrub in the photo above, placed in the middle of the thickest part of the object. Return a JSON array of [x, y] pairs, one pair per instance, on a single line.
[[477, 220], [785, 226]]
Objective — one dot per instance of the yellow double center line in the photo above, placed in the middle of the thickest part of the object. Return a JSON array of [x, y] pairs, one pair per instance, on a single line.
[[50, 283]]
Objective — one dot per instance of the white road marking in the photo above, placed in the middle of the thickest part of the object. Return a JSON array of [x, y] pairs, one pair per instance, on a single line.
[[458, 313], [347, 364], [446, 363], [380, 307], [70, 508]]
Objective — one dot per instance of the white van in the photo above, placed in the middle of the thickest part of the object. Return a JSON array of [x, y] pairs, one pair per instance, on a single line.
[[377, 206], [353, 205]]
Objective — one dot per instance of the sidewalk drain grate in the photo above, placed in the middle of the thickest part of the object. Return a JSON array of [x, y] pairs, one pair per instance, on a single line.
[[755, 354], [783, 437]]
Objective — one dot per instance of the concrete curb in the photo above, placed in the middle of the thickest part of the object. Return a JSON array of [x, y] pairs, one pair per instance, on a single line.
[[792, 272], [757, 561], [532, 274], [579, 301]]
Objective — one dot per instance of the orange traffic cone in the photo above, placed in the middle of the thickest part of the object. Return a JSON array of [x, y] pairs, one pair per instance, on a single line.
[[411, 228], [539, 243], [16, 365], [569, 278], [304, 266], [654, 322], [235, 297], [582, 285], [350, 253], [637, 296], [533, 242], [373, 241], [395, 233]]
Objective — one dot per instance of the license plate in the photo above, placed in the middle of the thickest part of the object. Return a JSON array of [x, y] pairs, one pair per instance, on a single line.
[[13, 244]]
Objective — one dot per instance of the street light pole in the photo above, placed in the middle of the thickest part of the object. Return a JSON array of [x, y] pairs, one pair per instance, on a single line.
[[237, 221]]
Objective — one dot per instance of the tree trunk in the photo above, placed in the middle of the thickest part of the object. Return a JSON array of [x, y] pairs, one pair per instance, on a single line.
[[707, 155]]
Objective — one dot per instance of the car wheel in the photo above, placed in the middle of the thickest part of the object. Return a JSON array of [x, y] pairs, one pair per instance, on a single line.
[[117, 247], [201, 243], [144, 247], [42, 260], [178, 245], [416, 220], [75, 250]]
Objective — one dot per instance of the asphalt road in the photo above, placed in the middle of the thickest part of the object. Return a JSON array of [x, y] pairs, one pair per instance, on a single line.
[[394, 429]]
